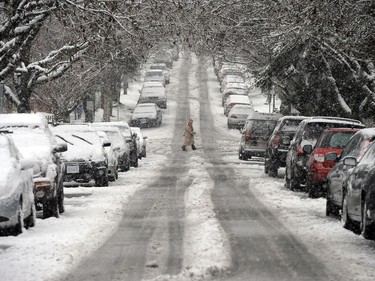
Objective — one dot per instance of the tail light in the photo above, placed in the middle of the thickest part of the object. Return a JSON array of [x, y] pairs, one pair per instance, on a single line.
[[276, 141], [319, 157], [300, 150], [247, 138]]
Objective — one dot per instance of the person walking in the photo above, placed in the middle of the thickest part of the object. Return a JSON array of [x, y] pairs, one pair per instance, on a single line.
[[189, 136]]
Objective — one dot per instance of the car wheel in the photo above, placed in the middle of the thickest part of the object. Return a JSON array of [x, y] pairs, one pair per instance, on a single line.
[[51, 208], [311, 188], [272, 170], [144, 152], [18, 228], [345, 220], [367, 230], [61, 201], [31, 219], [330, 208], [266, 166], [116, 174], [103, 181], [136, 163]]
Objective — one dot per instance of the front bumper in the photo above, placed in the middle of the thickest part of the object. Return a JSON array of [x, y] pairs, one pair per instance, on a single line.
[[83, 173]]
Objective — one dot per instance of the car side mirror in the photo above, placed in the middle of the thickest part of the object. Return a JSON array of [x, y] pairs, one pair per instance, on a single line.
[[307, 148], [26, 164], [350, 161], [332, 156], [106, 143], [145, 138], [61, 147]]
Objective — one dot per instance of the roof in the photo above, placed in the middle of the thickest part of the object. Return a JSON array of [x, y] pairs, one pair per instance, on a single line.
[[264, 116], [331, 119], [30, 120]]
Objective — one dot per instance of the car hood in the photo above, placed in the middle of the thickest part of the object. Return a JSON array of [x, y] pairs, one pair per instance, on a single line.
[[42, 156]]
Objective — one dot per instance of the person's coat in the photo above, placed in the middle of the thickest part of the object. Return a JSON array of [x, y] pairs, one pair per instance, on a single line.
[[189, 135]]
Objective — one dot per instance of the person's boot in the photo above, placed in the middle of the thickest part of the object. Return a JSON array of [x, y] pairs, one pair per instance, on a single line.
[[193, 147], [183, 147]]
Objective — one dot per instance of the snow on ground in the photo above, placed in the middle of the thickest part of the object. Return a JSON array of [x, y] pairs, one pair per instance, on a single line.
[[55, 246]]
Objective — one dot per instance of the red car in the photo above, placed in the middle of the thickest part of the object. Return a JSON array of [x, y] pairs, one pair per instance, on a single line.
[[331, 140]]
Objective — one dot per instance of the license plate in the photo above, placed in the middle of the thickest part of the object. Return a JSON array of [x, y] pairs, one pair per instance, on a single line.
[[70, 169]]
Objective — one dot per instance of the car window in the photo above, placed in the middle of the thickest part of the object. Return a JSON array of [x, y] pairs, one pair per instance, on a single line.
[[334, 139], [368, 156], [352, 146], [290, 125]]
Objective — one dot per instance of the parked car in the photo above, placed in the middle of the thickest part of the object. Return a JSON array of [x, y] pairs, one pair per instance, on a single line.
[[36, 142], [358, 203], [331, 140], [146, 115], [233, 90], [229, 80], [279, 142], [119, 144], [154, 75], [85, 160], [142, 141], [164, 68], [235, 99], [164, 57], [111, 156], [17, 207], [153, 95], [238, 114], [256, 133], [308, 132], [231, 70], [130, 139], [356, 147]]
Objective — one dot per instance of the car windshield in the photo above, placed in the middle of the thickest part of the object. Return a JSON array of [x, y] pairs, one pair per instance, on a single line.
[[116, 139], [144, 109], [334, 139], [154, 73], [263, 127], [163, 67], [242, 109]]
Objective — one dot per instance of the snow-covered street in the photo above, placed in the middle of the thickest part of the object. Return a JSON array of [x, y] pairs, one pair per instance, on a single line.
[[192, 216]]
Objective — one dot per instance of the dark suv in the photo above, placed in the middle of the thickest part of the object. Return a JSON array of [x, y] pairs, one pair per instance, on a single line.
[[308, 132], [336, 178], [279, 142]]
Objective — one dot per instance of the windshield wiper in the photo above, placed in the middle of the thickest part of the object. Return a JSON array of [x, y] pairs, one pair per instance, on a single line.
[[60, 137], [78, 137]]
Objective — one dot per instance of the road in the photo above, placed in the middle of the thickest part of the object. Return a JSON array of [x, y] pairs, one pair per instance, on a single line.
[[158, 236]]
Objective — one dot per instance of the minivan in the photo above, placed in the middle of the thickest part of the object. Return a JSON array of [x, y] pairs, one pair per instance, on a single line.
[[255, 134]]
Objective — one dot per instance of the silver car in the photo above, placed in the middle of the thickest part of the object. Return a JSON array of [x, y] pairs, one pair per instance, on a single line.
[[164, 68], [154, 75], [238, 114], [153, 95], [146, 115]]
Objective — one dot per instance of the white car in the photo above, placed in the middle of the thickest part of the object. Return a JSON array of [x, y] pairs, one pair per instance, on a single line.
[[34, 139], [118, 143], [17, 207], [164, 68], [235, 99], [86, 161], [153, 95], [238, 114], [111, 155], [154, 75]]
